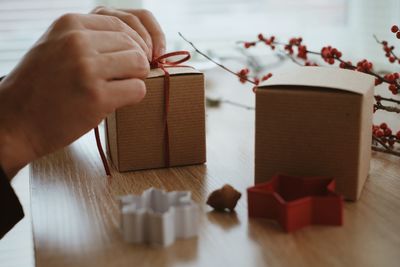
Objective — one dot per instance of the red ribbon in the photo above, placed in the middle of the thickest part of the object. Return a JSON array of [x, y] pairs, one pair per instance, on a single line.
[[101, 152], [161, 63]]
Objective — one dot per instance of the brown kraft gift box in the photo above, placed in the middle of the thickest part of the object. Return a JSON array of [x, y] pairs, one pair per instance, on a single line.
[[136, 134], [315, 121]]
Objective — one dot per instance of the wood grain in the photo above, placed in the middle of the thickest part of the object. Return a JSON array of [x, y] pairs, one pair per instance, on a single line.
[[75, 214]]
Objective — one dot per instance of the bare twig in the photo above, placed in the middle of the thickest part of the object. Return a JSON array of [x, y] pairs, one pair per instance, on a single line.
[[389, 99], [216, 103], [379, 106], [291, 58], [212, 60], [381, 43], [384, 150], [237, 104]]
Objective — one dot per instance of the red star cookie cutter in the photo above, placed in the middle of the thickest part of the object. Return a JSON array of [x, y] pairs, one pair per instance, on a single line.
[[296, 202]]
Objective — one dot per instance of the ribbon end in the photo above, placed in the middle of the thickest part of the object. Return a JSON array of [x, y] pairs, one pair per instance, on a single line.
[[101, 152]]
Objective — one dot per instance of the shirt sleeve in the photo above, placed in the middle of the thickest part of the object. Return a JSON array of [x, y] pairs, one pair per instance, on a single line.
[[11, 211]]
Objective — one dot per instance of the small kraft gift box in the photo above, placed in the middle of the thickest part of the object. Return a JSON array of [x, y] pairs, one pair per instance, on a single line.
[[167, 128], [315, 121]]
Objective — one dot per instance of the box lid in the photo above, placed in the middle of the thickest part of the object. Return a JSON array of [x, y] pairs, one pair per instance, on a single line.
[[154, 73], [325, 77]]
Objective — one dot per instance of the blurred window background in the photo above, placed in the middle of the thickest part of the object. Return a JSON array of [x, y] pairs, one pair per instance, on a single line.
[[217, 24]]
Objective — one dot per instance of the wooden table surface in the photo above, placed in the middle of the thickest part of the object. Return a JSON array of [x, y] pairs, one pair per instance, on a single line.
[[76, 218]]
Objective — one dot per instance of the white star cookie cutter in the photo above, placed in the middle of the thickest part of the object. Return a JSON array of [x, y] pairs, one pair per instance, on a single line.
[[158, 217]]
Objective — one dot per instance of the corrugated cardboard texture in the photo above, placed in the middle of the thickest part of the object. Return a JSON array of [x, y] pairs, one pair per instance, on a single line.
[[111, 137], [313, 131], [139, 129], [172, 71]]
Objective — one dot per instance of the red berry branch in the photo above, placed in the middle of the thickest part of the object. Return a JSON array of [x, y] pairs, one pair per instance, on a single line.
[[384, 140], [243, 74], [331, 55]]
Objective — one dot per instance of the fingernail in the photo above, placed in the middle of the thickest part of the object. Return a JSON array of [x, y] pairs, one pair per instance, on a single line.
[[162, 51]]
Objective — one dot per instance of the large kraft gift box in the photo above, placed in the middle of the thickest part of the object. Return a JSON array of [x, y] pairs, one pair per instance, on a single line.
[[315, 121], [137, 135]]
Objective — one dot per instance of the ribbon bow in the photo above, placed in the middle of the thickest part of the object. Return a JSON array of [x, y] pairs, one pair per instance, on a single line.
[[163, 64]]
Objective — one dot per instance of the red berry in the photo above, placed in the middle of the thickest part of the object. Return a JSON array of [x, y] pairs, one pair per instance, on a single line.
[[260, 37], [390, 77], [388, 132], [398, 135], [247, 44], [393, 88], [378, 81], [394, 28], [383, 126], [243, 75], [244, 71], [266, 77], [379, 133], [391, 142], [398, 35], [392, 59]]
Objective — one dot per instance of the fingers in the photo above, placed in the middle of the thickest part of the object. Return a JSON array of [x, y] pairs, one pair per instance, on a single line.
[[121, 93], [144, 23], [153, 28], [100, 41], [111, 23], [132, 21], [122, 65]]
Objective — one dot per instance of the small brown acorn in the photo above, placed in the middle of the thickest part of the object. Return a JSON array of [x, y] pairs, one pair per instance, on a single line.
[[224, 198]]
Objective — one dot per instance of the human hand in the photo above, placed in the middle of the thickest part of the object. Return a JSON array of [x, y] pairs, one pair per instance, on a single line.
[[80, 70], [144, 23]]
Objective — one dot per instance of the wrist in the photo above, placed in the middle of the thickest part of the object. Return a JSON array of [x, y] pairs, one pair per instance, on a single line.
[[14, 152], [10, 162]]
